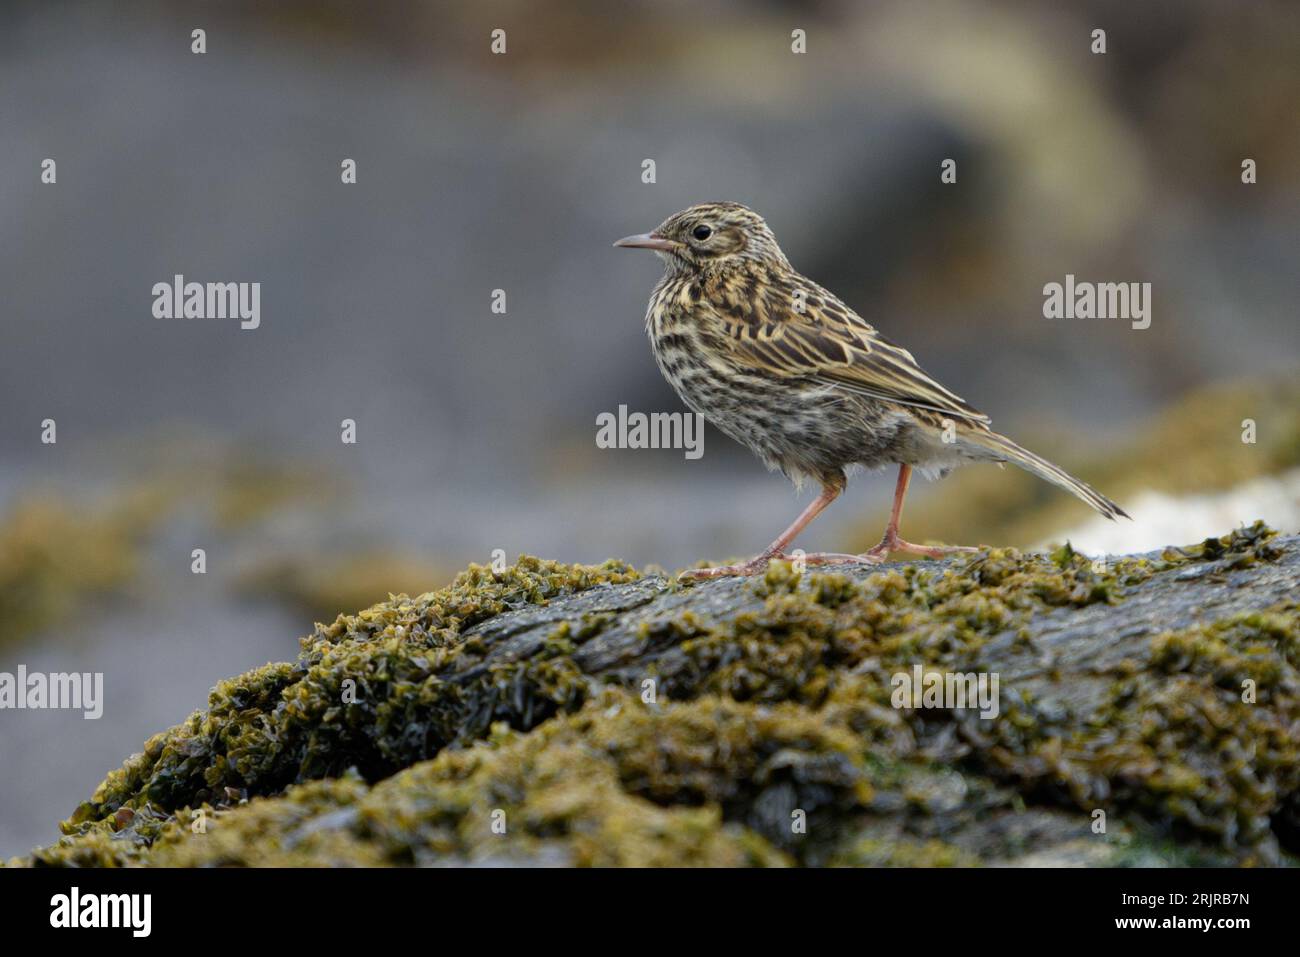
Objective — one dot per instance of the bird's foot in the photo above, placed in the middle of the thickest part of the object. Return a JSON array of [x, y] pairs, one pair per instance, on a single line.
[[873, 556], [892, 543], [751, 567], [839, 558], [760, 562]]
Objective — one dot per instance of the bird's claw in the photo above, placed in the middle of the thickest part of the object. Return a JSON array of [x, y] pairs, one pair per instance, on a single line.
[[873, 556], [839, 558], [880, 552], [760, 562], [751, 567]]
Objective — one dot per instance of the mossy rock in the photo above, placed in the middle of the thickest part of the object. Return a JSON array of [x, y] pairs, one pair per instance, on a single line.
[[554, 714]]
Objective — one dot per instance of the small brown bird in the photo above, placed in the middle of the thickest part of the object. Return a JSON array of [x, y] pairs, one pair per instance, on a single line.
[[781, 365]]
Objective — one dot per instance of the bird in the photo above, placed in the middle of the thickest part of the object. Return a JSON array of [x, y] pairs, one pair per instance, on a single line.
[[784, 367]]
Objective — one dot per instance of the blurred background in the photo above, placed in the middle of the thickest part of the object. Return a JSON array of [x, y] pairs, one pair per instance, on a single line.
[[476, 431]]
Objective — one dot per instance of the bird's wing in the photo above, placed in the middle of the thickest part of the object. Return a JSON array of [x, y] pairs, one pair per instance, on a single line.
[[772, 329]]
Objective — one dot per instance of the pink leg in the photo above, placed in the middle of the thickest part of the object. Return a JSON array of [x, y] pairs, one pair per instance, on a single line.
[[777, 549], [892, 543]]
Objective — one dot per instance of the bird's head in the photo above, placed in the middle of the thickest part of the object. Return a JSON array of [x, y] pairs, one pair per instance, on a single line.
[[710, 235]]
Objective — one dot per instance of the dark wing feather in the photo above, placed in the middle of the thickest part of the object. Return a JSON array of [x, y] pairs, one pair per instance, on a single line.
[[826, 342]]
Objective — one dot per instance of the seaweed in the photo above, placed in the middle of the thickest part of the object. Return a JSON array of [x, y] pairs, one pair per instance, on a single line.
[[559, 714]]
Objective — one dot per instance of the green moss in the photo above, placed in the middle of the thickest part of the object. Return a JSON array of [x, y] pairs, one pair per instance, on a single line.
[[374, 691], [575, 791], [1214, 748], [792, 649], [1172, 741], [772, 737], [1243, 548]]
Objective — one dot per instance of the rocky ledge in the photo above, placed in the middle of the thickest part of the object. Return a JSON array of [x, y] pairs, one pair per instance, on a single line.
[[1144, 710]]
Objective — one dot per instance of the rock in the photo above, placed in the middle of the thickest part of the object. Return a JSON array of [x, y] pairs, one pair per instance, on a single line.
[[1146, 711]]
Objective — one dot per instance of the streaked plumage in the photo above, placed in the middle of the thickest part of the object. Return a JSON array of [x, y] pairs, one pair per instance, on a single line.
[[784, 367]]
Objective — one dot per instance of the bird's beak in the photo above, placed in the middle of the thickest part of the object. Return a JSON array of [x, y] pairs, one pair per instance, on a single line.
[[647, 241]]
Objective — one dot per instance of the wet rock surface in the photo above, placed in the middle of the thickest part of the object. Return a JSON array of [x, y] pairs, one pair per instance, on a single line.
[[1145, 712], [634, 628]]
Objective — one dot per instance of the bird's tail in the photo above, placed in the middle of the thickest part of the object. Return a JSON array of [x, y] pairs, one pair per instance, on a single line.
[[1004, 449]]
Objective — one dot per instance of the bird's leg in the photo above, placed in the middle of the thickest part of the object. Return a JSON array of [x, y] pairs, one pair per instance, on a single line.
[[830, 492], [892, 543]]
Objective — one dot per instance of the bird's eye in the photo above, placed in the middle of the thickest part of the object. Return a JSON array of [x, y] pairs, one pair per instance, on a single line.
[[702, 232]]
